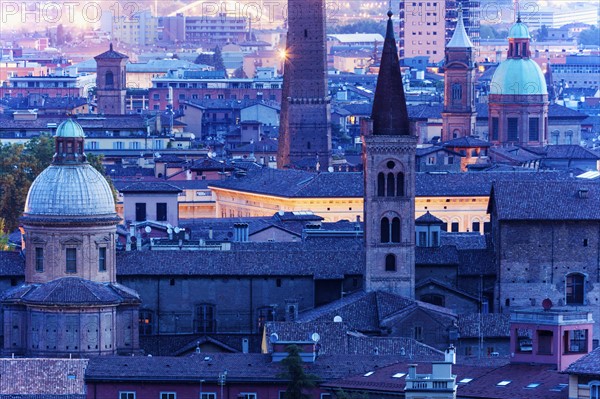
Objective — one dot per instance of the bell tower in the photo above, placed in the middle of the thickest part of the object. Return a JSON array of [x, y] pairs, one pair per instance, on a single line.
[[389, 169], [305, 131], [111, 82], [459, 85]]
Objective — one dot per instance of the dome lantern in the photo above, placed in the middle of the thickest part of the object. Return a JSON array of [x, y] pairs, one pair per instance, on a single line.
[[69, 143]]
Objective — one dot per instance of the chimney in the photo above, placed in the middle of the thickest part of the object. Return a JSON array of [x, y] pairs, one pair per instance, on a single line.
[[450, 355], [240, 232], [412, 371]]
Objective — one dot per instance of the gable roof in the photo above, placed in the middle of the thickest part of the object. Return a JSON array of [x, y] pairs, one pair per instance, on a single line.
[[529, 200]]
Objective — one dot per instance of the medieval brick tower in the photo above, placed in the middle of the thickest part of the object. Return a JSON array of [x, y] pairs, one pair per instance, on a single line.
[[459, 85], [305, 131], [389, 169], [110, 82]]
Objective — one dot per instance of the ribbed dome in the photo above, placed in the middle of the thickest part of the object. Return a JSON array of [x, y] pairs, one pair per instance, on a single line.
[[519, 31], [70, 190], [518, 76], [69, 128]]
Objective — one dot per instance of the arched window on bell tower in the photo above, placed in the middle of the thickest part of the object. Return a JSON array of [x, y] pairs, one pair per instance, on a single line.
[[456, 92], [391, 185], [109, 79], [400, 185], [381, 184], [385, 230], [390, 263]]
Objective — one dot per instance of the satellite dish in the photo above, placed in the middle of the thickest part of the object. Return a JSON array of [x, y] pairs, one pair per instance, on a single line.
[[148, 229], [337, 319], [315, 337], [281, 212], [330, 169], [273, 338], [176, 230], [169, 231]]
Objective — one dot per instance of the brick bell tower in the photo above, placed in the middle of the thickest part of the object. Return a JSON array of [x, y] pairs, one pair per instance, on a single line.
[[389, 168], [111, 82], [305, 128], [459, 85]]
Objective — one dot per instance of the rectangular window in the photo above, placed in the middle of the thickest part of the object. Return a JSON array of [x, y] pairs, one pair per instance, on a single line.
[[168, 395], [145, 322], [487, 227], [102, 259], [422, 238], [495, 128], [418, 333], [39, 259], [245, 395], [208, 395], [126, 395], [576, 341], [161, 211], [534, 129], [205, 318], [140, 211], [71, 254], [476, 227], [454, 227], [512, 131]]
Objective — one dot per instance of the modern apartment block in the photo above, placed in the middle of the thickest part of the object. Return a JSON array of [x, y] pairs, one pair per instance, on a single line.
[[426, 26]]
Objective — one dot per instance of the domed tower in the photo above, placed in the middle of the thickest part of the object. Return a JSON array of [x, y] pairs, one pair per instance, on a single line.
[[389, 149], [70, 302], [518, 100], [459, 84]]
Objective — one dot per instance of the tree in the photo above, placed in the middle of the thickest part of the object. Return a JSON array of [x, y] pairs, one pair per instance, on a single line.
[[218, 60], [239, 73], [204, 58], [542, 34], [299, 381], [361, 26], [590, 37]]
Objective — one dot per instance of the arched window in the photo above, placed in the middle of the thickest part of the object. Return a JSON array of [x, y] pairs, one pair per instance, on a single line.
[[390, 263], [456, 91], [391, 186], [575, 287], [385, 230], [400, 185], [524, 49], [510, 49], [396, 230], [381, 184], [109, 79]]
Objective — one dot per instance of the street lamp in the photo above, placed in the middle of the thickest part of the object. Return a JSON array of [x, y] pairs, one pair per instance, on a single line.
[[222, 381]]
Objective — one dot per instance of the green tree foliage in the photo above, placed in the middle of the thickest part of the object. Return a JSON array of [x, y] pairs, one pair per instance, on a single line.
[[590, 37], [361, 26], [204, 58], [19, 166], [542, 33], [218, 60], [341, 394], [299, 380]]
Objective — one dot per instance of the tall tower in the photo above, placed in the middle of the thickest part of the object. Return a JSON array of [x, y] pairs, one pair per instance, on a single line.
[[305, 129], [459, 85], [70, 302], [111, 82], [389, 169]]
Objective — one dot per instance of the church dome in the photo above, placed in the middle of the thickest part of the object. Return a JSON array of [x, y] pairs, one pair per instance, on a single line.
[[519, 31], [521, 76], [69, 128], [70, 190]]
